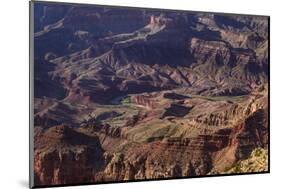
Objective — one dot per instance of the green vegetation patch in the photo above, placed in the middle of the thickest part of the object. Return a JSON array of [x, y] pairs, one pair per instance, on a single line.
[[257, 162], [126, 100]]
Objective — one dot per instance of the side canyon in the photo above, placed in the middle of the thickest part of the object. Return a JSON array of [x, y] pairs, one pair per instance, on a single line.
[[132, 94]]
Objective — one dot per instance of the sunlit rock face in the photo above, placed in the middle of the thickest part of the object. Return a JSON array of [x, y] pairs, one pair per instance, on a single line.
[[129, 94]]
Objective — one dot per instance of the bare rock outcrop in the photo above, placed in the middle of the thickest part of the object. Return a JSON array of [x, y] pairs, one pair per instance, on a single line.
[[64, 156], [189, 90]]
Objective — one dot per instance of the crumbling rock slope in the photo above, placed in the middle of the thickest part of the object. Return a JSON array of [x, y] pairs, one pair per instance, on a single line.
[[130, 94]]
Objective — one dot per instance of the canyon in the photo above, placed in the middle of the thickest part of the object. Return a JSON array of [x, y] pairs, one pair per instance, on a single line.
[[131, 94]]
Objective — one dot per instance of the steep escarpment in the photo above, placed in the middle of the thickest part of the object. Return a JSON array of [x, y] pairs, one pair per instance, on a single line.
[[157, 57], [64, 156], [150, 145], [216, 148], [146, 161], [257, 162], [144, 94]]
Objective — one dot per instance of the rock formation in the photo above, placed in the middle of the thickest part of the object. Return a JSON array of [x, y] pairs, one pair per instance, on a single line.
[[124, 94]]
